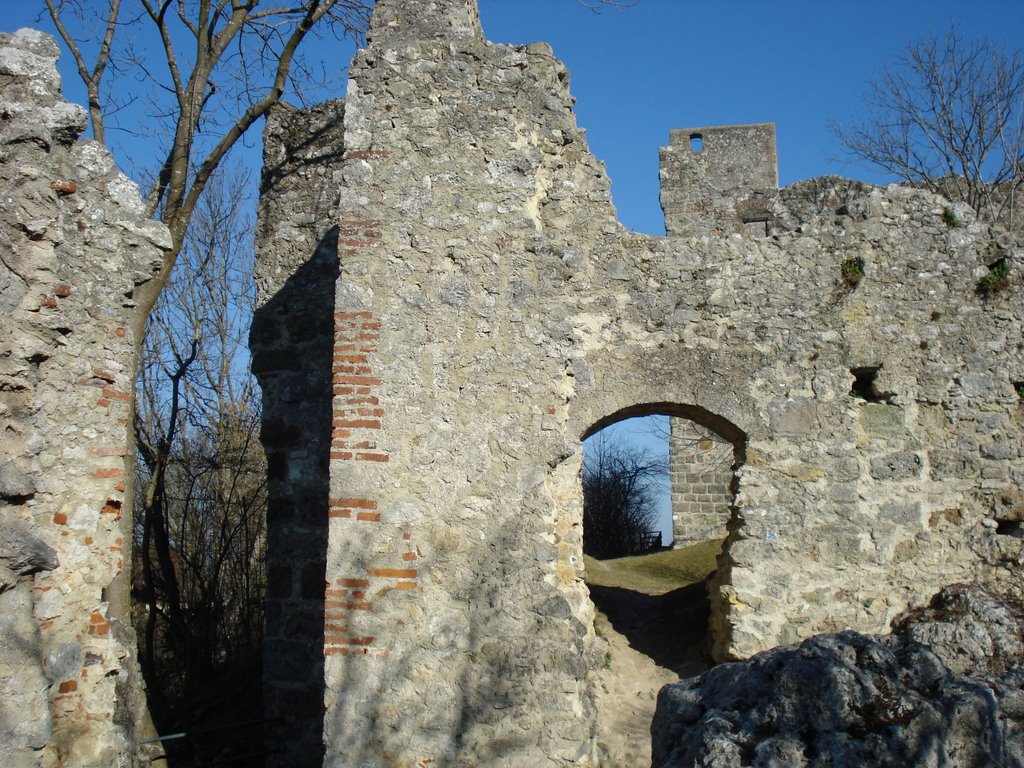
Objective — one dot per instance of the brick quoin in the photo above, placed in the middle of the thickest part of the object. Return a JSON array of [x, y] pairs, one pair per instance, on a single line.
[[362, 509], [347, 594], [108, 451], [102, 473], [358, 414], [357, 424]]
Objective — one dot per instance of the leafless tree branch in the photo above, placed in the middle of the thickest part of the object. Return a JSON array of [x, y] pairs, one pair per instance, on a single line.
[[948, 115]]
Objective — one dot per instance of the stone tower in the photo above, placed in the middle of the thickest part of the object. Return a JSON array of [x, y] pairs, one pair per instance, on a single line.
[[395, 21], [719, 179]]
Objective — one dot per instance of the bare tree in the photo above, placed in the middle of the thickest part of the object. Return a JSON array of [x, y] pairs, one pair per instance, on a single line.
[[948, 115], [200, 482], [217, 68], [619, 501], [190, 77]]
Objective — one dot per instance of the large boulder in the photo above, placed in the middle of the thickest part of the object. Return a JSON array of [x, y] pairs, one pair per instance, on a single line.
[[973, 631], [840, 700]]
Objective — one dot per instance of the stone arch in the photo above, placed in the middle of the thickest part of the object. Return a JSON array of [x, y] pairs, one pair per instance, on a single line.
[[696, 413], [705, 422], [654, 630], [705, 419]]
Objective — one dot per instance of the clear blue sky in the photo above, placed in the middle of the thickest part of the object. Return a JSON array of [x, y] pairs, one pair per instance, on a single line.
[[665, 64]]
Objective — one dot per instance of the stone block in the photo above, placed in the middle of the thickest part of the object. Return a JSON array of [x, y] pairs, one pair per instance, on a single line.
[[883, 420], [902, 465], [792, 416]]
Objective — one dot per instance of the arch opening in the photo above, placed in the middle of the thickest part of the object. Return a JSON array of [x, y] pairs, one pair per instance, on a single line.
[[652, 606]]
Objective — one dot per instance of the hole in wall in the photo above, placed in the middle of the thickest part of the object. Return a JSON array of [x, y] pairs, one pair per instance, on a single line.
[[652, 606], [1010, 528], [865, 385], [696, 142]]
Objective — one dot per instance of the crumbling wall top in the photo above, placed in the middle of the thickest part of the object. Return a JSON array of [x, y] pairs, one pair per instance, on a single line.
[[410, 20], [718, 177]]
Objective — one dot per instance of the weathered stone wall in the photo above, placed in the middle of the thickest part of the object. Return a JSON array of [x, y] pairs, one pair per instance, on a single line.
[[292, 346], [490, 312], [718, 179], [459, 629], [74, 243], [701, 475]]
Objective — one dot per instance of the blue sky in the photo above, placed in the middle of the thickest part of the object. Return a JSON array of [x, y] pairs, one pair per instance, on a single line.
[[664, 64]]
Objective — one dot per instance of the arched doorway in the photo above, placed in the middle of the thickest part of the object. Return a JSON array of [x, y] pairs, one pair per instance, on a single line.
[[651, 600]]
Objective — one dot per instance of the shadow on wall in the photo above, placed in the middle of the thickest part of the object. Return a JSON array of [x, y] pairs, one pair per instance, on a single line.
[[461, 682], [292, 345]]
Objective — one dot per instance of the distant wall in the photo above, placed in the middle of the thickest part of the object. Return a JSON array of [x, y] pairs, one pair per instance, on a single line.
[[701, 472], [292, 343]]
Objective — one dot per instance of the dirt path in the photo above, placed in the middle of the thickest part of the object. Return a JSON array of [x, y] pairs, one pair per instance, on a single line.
[[652, 640]]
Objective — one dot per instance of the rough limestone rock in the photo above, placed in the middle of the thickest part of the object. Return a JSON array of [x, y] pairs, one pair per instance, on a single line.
[[75, 241], [25, 718], [973, 631], [840, 700]]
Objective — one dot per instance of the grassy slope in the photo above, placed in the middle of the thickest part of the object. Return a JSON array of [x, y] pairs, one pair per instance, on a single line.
[[657, 573]]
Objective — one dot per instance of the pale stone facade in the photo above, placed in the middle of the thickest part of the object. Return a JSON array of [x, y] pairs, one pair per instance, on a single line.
[[448, 306], [490, 312], [74, 243]]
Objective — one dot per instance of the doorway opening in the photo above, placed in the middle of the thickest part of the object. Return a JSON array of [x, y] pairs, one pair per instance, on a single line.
[[658, 486]]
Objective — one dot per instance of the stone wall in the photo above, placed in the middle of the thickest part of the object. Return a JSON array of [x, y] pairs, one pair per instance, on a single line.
[[74, 243], [701, 473], [490, 312], [292, 346], [718, 179]]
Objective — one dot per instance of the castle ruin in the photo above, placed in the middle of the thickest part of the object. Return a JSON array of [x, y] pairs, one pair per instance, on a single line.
[[448, 306]]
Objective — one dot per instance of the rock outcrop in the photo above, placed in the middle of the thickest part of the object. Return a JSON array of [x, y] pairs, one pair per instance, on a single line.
[[852, 699], [973, 631]]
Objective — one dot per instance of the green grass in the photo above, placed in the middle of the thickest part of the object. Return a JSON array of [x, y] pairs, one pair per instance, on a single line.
[[657, 573], [852, 271]]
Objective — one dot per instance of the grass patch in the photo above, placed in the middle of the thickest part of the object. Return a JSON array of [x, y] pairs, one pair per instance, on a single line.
[[852, 271], [658, 573], [996, 279]]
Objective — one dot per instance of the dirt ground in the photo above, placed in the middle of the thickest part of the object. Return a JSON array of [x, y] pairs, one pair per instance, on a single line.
[[653, 639]]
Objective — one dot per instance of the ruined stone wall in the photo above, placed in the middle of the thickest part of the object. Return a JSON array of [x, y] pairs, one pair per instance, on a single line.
[[292, 346], [74, 242], [701, 476], [490, 312], [459, 629], [718, 179]]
